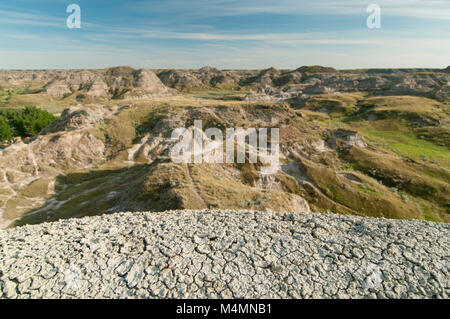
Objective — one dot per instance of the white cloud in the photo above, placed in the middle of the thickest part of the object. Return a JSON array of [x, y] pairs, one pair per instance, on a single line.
[[393, 53], [428, 9]]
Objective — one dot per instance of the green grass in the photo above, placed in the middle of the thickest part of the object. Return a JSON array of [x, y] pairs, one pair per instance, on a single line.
[[429, 211], [439, 135], [224, 95], [368, 189], [429, 144], [408, 145], [148, 123]]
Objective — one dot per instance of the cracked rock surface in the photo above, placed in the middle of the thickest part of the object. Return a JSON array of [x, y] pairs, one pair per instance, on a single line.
[[226, 254]]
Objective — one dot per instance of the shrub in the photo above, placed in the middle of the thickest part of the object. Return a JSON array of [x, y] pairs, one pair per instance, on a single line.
[[5, 130], [28, 121]]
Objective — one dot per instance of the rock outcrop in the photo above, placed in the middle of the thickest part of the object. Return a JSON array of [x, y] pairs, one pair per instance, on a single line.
[[28, 171], [348, 137], [57, 88], [126, 82], [118, 82], [206, 77], [147, 84], [307, 84], [104, 138], [312, 80]]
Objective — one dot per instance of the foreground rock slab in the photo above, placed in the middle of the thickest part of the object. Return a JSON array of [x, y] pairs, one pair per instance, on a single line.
[[226, 254]]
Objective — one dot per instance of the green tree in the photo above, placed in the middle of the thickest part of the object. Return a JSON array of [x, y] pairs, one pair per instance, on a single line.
[[5, 130], [28, 121]]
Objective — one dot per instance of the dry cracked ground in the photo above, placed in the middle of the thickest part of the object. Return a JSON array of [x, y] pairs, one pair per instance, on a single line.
[[226, 254]]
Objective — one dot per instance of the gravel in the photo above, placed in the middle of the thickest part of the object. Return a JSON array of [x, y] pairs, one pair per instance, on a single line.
[[226, 254]]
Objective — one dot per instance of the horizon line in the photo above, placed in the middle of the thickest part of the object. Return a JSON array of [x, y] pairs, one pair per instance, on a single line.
[[226, 69]]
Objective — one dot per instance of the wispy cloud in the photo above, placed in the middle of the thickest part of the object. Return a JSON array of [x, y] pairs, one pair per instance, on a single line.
[[24, 19], [16, 18], [225, 33], [428, 9]]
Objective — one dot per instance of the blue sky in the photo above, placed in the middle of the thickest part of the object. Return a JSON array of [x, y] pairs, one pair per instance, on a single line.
[[224, 34]]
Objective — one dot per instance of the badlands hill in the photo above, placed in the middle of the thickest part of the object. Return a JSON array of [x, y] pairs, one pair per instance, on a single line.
[[74, 86], [360, 142], [66, 87]]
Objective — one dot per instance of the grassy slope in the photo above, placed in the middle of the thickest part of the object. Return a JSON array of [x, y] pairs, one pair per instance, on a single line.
[[413, 160]]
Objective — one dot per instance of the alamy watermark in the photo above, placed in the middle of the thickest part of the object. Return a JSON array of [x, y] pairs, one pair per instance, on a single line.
[[373, 277], [237, 145], [73, 277], [74, 19], [374, 19]]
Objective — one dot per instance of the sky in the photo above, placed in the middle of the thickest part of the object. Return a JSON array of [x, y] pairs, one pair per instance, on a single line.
[[227, 34]]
